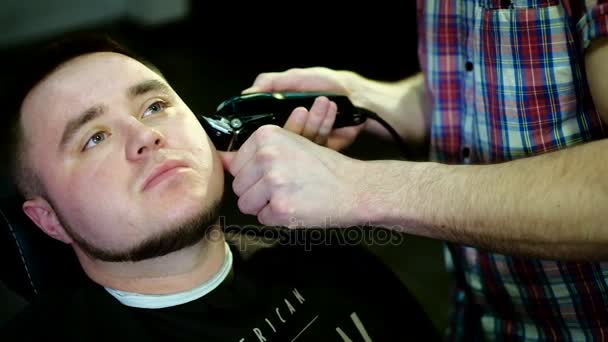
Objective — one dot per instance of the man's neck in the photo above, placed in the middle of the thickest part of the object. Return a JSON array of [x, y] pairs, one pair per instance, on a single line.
[[175, 272]]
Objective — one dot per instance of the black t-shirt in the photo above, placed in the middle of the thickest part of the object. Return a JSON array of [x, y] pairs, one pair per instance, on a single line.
[[278, 293]]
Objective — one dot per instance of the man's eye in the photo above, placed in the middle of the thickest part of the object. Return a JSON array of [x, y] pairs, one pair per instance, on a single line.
[[95, 140], [155, 108]]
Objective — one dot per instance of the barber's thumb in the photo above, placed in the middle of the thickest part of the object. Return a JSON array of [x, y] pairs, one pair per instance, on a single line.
[[227, 158]]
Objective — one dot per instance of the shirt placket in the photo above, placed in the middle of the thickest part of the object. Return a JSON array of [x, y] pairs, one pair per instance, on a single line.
[[471, 64]]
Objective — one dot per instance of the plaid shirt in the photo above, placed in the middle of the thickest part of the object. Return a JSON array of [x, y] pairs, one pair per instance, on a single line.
[[506, 81]]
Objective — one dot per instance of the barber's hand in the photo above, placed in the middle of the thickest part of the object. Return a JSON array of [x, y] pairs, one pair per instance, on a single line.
[[315, 124], [286, 180]]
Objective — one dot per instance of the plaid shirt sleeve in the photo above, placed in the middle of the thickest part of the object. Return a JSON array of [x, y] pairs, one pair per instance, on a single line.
[[506, 82], [593, 23]]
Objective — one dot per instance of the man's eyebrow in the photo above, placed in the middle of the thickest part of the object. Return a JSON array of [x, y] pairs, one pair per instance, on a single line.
[[75, 124], [149, 86]]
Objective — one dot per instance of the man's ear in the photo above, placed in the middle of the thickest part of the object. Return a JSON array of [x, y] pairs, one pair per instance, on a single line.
[[44, 216]]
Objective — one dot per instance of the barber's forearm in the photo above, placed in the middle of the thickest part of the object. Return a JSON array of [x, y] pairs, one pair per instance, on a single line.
[[551, 206], [401, 104]]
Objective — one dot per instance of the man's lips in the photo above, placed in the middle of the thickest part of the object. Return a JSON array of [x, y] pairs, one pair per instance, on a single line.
[[162, 172]]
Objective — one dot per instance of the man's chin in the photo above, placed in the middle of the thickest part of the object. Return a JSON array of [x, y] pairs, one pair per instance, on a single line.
[[172, 238]]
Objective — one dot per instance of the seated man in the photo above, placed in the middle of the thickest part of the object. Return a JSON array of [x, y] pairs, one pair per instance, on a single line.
[[112, 162]]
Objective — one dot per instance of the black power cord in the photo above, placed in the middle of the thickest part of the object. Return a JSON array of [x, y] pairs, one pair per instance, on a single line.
[[372, 115]]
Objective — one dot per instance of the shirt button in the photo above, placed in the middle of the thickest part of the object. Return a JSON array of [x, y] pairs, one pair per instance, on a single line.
[[466, 153], [469, 66]]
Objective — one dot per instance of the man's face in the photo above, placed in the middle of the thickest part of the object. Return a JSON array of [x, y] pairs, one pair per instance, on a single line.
[[123, 160]]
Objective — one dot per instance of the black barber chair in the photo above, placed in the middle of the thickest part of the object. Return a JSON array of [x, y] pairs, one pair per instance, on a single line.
[[32, 262], [12, 303]]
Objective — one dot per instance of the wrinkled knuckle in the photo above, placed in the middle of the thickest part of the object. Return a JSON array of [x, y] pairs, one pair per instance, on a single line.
[[280, 207], [261, 135], [266, 154], [265, 132], [274, 178]]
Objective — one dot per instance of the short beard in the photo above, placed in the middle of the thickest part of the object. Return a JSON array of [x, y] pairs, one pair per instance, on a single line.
[[169, 240]]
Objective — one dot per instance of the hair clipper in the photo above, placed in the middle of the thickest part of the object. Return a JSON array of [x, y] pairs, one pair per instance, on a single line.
[[238, 117]]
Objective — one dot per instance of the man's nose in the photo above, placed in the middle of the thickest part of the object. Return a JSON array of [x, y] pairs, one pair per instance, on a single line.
[[143, 140]]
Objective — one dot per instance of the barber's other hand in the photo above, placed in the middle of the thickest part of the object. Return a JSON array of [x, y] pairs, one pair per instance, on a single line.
[[286, 180], [315, 124]]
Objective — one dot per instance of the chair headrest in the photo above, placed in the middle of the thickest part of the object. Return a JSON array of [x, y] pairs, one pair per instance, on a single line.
[[32, 262]]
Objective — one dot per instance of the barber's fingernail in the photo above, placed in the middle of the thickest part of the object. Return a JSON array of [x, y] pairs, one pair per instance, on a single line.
[[250, 90], [300, 115]]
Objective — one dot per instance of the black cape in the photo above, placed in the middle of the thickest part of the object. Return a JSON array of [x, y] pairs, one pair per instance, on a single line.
[[275, 292]]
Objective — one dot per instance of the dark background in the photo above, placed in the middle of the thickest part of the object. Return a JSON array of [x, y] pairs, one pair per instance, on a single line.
[[211, 51]]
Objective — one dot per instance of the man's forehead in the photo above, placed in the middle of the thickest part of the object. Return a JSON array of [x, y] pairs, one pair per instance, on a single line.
[[93, 70], [83, 79], [76, 85]]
